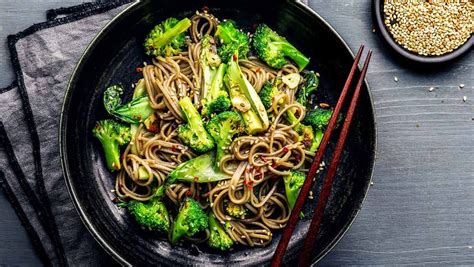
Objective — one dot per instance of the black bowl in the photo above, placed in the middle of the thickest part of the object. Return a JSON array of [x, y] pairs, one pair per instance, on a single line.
[[112, 58], [379, 17]]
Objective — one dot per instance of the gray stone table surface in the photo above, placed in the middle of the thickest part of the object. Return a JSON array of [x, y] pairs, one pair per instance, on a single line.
[[420, 209]]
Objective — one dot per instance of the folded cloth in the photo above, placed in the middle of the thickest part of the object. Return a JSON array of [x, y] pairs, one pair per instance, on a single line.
[[43, 57]]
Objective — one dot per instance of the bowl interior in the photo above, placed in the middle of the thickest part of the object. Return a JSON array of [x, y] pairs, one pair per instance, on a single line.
[[113, 57]]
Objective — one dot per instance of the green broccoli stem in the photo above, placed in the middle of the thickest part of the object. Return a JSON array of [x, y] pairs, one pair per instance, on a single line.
[[140, 89], [112, 154], [192, 115], [290, 116], [180, 27], [133, 132], [293, 53], [208, 76], [217, 82], [255, 118]]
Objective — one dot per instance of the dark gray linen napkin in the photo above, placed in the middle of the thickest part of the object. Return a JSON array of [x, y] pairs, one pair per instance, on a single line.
[[44, 56]]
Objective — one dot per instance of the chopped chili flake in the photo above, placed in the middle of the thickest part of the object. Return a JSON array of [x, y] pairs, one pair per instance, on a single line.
[[248, 184], [285, 149], [297, 157], [174, 148], [234, 57], [189, 193], [153, 128], [263, 158], [274, 165], [139, 69], [257, 70]]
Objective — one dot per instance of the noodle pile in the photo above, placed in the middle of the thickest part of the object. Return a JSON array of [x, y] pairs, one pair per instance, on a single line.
[[256, 163]]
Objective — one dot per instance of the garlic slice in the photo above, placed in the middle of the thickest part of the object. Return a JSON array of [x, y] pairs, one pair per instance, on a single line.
[[291, 80]]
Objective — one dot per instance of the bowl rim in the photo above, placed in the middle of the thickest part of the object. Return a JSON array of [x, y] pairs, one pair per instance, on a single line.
[[377, 9], [63, 133]]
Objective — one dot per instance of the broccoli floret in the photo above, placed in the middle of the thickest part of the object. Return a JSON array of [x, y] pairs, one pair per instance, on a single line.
[[305, 132], [191, 219], [268, 93], [236, 210], [307, 137], [112, 135], [152, 214], [167, 38], [222, 128], [193, 133], [133, 112], [318, 118], [231, 39], [218, 237], [311, 82], [293, 183], [215, 98], [219, 104], [273, 48], [245, 99]]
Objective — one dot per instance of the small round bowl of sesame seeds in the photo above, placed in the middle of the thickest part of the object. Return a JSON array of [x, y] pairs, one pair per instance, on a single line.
[[426, 31]]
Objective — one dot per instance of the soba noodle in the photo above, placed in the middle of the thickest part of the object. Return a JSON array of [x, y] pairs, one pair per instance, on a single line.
[[255, 163]]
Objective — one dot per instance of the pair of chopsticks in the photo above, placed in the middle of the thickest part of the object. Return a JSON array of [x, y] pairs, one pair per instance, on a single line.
[[305, 255]]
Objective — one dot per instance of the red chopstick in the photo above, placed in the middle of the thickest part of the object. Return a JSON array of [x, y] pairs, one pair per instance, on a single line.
[[294, 217], [305, 255]]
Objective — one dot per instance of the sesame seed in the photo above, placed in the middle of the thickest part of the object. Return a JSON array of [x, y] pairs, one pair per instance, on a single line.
[[461, 86], [395, 79], [464, 98], [431, 89], [371, 183]]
